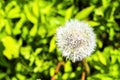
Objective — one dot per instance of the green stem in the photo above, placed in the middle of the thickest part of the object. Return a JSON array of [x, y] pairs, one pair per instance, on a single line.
[[86, 66]]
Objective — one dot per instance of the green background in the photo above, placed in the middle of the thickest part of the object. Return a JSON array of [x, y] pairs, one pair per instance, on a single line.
[[28, 44]]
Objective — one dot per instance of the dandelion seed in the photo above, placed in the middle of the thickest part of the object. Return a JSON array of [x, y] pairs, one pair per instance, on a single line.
[[76, 40]]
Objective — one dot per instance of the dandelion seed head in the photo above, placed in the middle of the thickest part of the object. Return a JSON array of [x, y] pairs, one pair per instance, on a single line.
[[76, 40]]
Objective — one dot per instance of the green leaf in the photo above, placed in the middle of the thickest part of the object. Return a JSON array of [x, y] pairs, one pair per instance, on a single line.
[[34, 57], [84, 13], [42, 31], [11, 47], [2, 75], [13, 78], [65, 76], [68, 67], [29, 15], [2, 23], [8, 27], [52, 71], [111, 34], [18, 66], [14, 13], [25, 51], [100, 44], [33, 31], [2, 13], [98, 12], [51, 32], [72, 75], [25, 32], [93, 23], [38, 63], [43, 18], [19, 25], [114, 70], [102, 58], [114, 55], [3, 61], [52, 44], [36, 9], [10, 6], [20, 76], [69, 13], [47, 10], [100, 76], [37, 51], [105, 3]]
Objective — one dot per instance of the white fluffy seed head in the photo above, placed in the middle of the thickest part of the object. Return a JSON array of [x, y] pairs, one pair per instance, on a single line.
[[76, 40]]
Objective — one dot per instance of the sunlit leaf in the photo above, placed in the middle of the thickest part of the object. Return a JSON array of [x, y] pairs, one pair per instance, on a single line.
[[14, 78], [102, 58], [52, 44], [25, 32], [72, 75], [14, 13], [19, 25], [36, 9], [37, 51], [105, 3], [20, 76], [29, 15], [2, 13], [84, 13], [100, 77], [2, 75], [33, 31], [25, 51], [114, 70], [69, 13], [111, 33], [10, 6], [65, 76], [11, 47], [2, 22], [42, 31], [47, 9], [18, 67], [93, 23], [8, 27], [100, 44], [68, 67], [52, 71]]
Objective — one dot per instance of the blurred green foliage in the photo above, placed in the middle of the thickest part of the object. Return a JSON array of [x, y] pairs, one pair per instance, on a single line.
[[27, 38]]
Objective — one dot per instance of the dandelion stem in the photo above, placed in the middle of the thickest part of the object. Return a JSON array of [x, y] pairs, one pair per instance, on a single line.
[[57, 69], [86, 66], [83, 75], [86, 70]]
